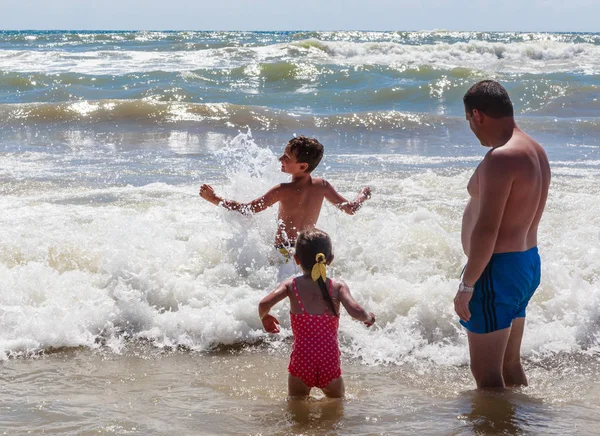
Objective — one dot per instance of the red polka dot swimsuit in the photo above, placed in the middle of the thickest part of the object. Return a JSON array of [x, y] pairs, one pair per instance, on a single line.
[[316, 354]]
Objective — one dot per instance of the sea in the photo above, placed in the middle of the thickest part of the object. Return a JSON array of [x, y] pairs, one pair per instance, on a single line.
[[128, 305]]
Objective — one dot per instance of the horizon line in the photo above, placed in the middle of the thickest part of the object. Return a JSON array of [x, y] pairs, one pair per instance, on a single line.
[[294, 30]]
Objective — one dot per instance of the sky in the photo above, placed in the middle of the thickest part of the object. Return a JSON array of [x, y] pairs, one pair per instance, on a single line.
[[484, 15]]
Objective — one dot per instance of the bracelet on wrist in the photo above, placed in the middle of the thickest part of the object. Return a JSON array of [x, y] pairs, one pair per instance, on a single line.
[[465, 288]]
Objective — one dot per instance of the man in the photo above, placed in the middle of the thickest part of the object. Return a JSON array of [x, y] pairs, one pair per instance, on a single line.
[[499, 235]]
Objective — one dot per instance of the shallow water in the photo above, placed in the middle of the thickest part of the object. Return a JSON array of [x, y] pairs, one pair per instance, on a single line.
[[243, 392]]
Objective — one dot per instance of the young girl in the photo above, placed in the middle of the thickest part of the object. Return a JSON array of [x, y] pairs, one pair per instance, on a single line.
[[314, 315]]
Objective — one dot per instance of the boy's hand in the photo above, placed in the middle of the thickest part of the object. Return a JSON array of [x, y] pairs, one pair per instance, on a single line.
[[270, 324], [208, 193], [365, 192], [371, 320], [363, 195]]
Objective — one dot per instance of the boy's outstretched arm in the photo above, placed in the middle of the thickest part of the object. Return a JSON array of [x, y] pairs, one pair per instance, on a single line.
[[269, 322], [354, 309], [350, 207], [255, 206]]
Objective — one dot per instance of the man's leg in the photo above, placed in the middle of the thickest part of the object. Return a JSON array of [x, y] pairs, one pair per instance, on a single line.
[[512, 370], [487, 355]]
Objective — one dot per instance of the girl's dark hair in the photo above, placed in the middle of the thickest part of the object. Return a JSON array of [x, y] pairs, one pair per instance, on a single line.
[[308, 244]]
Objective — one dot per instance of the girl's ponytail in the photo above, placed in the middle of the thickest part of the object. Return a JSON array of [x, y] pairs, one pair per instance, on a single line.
[[313, 248], [319, 275]]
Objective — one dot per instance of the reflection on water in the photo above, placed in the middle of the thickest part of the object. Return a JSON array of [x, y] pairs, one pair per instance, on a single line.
[[501, 412], [315, 415]]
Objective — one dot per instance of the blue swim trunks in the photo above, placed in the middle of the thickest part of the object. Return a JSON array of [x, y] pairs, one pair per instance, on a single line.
[[503, 290]]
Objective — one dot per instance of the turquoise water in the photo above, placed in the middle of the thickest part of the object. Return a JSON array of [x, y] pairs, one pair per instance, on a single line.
[[362, 85], [112, 268]]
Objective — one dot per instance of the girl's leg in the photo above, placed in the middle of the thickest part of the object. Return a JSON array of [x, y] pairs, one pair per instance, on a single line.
[[296, 387], [335, 388]]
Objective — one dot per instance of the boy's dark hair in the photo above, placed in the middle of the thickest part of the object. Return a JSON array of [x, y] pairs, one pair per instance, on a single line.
[[308, 244], [489, 98], [307, 150]]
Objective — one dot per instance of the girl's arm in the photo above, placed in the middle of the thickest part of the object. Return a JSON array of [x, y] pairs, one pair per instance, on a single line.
[[354, 309], [269, 322]]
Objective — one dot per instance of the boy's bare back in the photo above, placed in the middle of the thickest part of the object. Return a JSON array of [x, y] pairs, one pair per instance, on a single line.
[[300, 203]]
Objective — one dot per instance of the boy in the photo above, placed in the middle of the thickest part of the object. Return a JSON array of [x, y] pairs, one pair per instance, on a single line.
[[300, 200]]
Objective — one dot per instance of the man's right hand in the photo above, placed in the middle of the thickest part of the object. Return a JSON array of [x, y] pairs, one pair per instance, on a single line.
[[365, 192]]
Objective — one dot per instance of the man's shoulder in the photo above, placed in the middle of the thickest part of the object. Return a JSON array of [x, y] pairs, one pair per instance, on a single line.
[[503, 162], [505, 155], [519, 146]]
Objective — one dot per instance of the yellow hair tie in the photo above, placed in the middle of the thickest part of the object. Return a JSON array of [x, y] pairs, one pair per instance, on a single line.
[[318, 269]]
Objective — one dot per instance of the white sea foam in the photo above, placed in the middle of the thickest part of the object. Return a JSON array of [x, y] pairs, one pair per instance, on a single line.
[[536, 56], [160, 264], [530, 57]]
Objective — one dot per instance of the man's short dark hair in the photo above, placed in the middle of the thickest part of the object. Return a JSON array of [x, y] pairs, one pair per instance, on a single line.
[[307, 150], [489, 98]]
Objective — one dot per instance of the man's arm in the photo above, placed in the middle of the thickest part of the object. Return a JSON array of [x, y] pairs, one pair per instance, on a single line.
[[350, 207], [255, 206], [495, 183]]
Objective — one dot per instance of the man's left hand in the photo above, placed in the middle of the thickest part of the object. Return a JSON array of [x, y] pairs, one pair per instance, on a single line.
[[461, 305]]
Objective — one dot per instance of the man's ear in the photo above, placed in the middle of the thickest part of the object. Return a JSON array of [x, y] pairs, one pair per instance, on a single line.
[[297, 260], [304, 166], [330, 259], [478, 116]]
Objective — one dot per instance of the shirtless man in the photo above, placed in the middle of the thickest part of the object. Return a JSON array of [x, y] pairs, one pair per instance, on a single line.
[[300, 200], [499, 236]]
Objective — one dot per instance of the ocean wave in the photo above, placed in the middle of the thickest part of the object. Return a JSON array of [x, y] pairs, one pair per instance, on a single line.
[[267, 72], [215, 115], [531, 57], [225, 115], [536, 57], [267, 37], [101, 275], [52, 38], [305, 87]]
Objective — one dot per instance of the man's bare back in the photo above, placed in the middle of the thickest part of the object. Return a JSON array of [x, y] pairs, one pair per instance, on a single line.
[[525, 166]]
